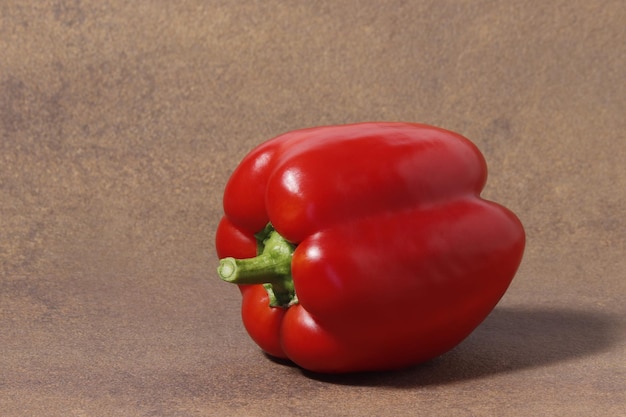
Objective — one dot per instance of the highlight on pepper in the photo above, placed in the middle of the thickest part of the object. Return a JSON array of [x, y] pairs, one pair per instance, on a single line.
[[365, 247]]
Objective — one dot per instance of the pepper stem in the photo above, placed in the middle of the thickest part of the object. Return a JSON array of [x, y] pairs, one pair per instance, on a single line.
[[272, 267]]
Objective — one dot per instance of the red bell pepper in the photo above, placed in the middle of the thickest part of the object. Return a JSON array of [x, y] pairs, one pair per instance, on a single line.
[[366, 246]]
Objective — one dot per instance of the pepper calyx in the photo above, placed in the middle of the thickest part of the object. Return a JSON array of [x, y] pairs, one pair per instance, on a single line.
[[271, 267]]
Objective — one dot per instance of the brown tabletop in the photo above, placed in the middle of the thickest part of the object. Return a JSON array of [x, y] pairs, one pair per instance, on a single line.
[[120, 123]]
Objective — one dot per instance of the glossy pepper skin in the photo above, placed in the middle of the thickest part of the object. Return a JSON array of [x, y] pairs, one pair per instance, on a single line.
[[380, 252]]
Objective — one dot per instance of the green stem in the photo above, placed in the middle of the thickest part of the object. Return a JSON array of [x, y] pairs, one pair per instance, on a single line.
[[272, 267]]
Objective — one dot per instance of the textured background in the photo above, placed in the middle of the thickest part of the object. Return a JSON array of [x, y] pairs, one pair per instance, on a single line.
[[120, 123]]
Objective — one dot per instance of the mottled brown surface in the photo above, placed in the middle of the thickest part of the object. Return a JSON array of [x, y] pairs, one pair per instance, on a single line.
[[121, 121]]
